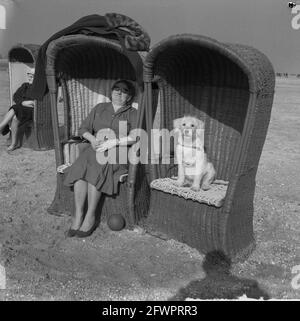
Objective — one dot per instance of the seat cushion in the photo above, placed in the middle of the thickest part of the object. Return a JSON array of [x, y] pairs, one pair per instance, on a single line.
[[214, 196]]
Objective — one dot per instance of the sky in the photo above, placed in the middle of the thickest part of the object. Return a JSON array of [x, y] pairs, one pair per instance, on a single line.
[[263, 24]]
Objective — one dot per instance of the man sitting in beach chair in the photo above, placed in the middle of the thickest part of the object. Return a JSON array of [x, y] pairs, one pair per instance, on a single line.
[[20, 113]]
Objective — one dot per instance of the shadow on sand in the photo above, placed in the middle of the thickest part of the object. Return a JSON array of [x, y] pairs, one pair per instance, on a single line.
[[219, 283]]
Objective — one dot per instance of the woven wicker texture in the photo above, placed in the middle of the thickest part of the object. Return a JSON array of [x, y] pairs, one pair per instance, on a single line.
[[230, 87], [194, 80], [83, 96], [26, 53], [214, 196], [87, 67], [41, 133]]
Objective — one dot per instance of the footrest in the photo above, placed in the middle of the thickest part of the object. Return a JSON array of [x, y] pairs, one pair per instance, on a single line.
[[62, 168], [214, 196]]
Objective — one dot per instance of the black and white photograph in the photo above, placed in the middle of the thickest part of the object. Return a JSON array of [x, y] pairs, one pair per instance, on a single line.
[[149, 152]]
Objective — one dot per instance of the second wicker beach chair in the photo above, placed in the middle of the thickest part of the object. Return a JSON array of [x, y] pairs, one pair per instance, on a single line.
[[230, 87]]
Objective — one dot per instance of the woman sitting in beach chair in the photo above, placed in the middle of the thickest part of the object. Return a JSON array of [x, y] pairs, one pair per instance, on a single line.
[[20, 113], [89, 175]]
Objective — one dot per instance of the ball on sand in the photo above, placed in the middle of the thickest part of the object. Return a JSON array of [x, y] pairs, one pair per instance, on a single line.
[[116, 222]]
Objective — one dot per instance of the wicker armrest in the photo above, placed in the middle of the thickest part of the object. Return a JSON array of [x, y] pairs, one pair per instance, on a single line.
[[75, 139], [123, 178]]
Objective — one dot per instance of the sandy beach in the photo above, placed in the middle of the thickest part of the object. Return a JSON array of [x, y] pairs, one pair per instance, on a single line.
[[42, 264]]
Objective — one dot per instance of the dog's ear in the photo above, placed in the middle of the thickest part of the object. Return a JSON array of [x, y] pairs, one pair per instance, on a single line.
[[200, 131], [199, 124], [177, 131], [177, 123]]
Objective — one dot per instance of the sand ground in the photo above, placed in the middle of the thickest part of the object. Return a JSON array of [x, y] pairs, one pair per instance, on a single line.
[[42, 264]]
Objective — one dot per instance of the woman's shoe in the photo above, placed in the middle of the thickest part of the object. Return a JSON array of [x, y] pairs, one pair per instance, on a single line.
[[5, 130], [71, 233], [12, 148], [87, 233]]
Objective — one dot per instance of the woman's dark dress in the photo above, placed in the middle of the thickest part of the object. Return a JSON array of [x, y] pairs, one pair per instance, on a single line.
[[23, 113], [105, 177]]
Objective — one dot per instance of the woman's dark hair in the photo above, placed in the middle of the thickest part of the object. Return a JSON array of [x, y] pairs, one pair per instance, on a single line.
[[130, 86]]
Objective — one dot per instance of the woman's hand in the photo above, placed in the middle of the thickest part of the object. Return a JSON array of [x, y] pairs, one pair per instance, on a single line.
[[106, 145], [95, 143], [28, 103], [92, 139]]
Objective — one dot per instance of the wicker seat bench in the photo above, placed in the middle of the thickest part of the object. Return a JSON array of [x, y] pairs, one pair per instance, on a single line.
[[215, 196]]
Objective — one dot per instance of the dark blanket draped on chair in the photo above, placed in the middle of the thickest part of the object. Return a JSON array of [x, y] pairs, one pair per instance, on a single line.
[[112, 26]]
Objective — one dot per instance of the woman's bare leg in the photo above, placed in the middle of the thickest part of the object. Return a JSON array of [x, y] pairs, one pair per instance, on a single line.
[[7, 118], [14, 131], [90, 217], [80, 194]]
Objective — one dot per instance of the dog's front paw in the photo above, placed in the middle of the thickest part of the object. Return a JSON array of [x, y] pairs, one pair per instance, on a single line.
[[195, 188], [179, 182], [206, 187]]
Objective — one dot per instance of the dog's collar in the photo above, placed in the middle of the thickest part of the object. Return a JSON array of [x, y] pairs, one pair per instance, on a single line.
[[194, 147], [186, 164]]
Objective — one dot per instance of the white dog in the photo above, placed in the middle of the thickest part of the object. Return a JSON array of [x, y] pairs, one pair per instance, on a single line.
[[193, 166]]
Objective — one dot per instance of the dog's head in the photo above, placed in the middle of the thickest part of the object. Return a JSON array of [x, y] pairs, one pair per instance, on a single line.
[[190, 127]]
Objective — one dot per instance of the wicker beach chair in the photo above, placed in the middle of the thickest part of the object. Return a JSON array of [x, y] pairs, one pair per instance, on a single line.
[[230, 87], [38, 134], [86, 67]]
